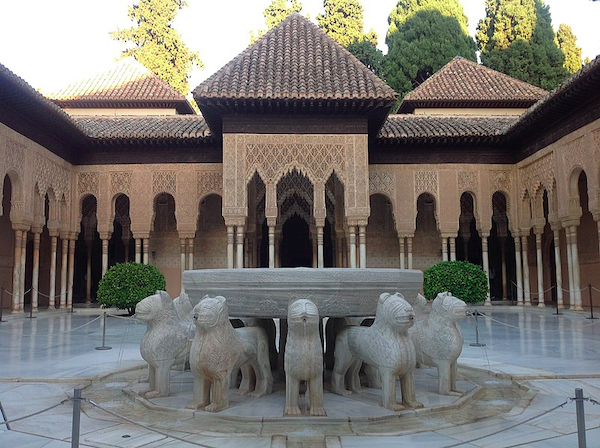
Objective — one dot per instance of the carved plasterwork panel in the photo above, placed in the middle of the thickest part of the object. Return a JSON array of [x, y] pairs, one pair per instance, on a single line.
[[15, 156], [120, 182], [538, 174], [49, 174], [209, 182], [574, 154], [426, 182], [596, 143], [468, 181], [500, 181], [382, 182], [87, 183], [164, 182]]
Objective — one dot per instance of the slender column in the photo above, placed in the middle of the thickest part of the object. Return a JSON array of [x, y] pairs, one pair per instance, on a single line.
[[277, 247], [35, 275], [17, 271], [576, 278], [526, 290], [540, 269], [88, 275], [23, 261], [104, 239], [402, 253], [182, 246], [146, 249], [239, 236], [230, 247], [352, 230], [63, 272], [320, 255], [503, 257], [362, 239], [444, 249], [570, 267], [52, 293], [557, 263], [486, 265], [409, 247], [190, 253], [138, 250], [71, 272], [271, 245], [452, 249], [519, 269]]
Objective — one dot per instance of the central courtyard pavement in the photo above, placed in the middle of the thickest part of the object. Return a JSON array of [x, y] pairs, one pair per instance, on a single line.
[[531, 363]]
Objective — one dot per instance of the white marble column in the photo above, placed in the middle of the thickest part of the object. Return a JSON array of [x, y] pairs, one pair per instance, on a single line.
[[402, 252], [526, 289], [190, 253], [53, 246], [568, 237], [452, 249], [486, 265], [230, 237], [182, 257], [576, 275], [23, 264], [320, 254], [277, 247], [519, 268], [409, 245], [444, 249], [35, 275], [138, 250], [540, 269], [146, 250], [16, 288], [71, 272], [352, 230], [88, 275], [63, 271], [362, 244], [558, 264], [271, 227], [239, 236], [104, 238]]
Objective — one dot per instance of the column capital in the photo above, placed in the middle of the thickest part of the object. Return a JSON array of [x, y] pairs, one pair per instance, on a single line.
[[235, 221], [570, 222], [187, 235], [105, 235]]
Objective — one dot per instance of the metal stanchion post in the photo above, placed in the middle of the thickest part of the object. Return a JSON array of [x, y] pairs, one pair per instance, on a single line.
[[476, 343], [104, 347], [591, 304], [580, 418], [1, 303], [76, 418]]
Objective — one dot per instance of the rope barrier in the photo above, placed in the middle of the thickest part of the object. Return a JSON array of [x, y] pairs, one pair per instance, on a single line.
[[141, 425], [56, 296], [12, 295], [509, 428], [14, 420], [53, 334], [128, 318], [534, 330]]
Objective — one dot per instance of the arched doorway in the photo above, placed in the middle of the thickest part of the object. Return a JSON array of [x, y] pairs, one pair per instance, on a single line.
[[501, 251], [121, 245], [382, 238], [88, 253], [587, 244], [427, 242], [7, 236], [164, 244], [210, 245], [469, 241]]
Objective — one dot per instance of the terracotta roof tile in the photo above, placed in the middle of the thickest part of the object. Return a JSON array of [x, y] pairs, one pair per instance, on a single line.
[[169, 127], [465, 82], [408, 127], [294, 61], [127, 82]]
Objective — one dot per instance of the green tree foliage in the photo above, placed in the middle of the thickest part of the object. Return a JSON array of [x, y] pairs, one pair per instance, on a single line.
[[567, 41], [464, 280], [366, 51], [422, 37], [343, 20], [156, 44], [126, 284], [275, 13], [516, 38]]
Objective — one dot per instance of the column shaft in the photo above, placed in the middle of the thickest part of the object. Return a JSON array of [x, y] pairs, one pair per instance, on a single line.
[[519, 269], [540, 269], [71, 273], [409, 244], [352, 230], [146, 250], [362, 239], [444, 249], [486, 265], [320, 254], [35, 275], [402, 253], [452, 249], [526, 289], [229, 247], [23, 261], [239, 236], [569, 238], [63, 272], [271, 246], [138, 250], [576, 276], [17, 271], [52, 292], [190, 253], [557, 263], [104, 256]]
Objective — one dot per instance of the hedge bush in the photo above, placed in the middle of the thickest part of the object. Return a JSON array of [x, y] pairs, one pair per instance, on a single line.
[[464, 280], [126, 284]]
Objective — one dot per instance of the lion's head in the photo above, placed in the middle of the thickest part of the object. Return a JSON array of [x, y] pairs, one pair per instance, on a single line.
[[303, 312], [450, 307], [210, 311], [154, 306], [395, 311]]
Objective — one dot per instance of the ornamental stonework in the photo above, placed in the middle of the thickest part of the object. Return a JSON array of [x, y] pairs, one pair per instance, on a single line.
[[15, 156], [426, 182], [500, 181], [120, 182], [48, 174], [87, 183], [468, 181], [164, 182], [538, 174], [574, 155], [382, 182], [209, 182]]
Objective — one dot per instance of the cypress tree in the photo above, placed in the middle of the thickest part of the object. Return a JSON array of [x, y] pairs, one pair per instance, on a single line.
[[275, 13], [567, 41]]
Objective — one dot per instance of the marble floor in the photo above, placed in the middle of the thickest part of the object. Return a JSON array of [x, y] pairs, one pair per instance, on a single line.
[[531, 363]]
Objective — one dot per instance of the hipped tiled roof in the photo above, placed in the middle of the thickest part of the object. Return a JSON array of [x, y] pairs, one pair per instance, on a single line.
[[463, 83], [144, 128], [127, 84], [408, 128]]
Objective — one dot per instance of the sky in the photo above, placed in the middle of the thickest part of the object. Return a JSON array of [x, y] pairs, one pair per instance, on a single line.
[[51, 43]]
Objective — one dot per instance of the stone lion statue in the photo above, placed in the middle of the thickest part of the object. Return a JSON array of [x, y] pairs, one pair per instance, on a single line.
[[303, 358], [438, 340], [218, 349], [165, 343], [384, 345]]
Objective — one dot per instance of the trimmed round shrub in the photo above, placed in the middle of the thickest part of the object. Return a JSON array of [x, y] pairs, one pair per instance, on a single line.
[[464, 280], [126, 284]]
